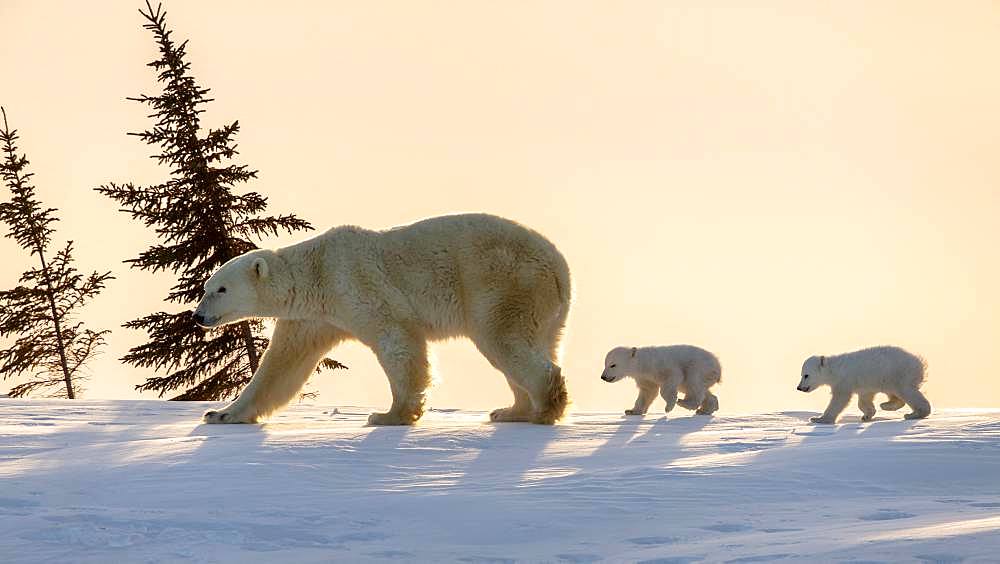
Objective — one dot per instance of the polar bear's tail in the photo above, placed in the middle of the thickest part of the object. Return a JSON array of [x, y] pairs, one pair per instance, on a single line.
[[922, 377], [556, 399]]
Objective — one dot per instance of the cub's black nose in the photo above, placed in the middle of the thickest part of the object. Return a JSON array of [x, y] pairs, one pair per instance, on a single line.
[[803, 388], [606, 378]]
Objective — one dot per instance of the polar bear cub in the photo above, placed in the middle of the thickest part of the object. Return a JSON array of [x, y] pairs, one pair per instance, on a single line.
[[667, 370], [889, 370]]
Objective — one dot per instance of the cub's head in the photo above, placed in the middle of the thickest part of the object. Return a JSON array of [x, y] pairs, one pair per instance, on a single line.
[[617, 363], [240, 289], [815, 373]]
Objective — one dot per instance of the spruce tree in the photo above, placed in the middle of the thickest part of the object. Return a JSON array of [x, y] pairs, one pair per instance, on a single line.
[[50, 345], [200, 222]]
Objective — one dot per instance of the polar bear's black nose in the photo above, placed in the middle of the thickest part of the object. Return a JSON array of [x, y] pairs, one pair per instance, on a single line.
[[198, 318], [606, 378], [803, 388]]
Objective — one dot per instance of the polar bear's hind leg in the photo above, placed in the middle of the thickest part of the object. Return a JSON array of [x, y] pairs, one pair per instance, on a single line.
[[918, 403], [529, 371], [695, 394], [710, 405]]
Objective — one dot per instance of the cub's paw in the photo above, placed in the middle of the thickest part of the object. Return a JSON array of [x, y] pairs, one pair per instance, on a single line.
[[709, 406], [224, 416], [509, 415], [867, 417], [688, 404], [823, 420], [915, 415], [634, 412]]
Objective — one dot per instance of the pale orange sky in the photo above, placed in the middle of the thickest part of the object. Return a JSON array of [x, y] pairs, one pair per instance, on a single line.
[[767, 180]]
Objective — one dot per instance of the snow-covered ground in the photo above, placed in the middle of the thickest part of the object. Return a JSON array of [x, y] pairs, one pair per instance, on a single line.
[[144, 481]]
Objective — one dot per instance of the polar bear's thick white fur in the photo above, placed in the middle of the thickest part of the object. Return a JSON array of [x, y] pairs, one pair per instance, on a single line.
[[494, 281], [667, 370], [889, 370]]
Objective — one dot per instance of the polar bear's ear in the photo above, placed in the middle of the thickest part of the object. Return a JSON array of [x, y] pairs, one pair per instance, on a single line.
[[822, 361], [260, 268], [633, 352]]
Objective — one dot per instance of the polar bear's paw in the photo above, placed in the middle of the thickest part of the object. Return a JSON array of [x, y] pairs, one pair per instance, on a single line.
[[916, 415], [823, 420], [391, 418], [634, 412], [227, 416], [509, 415]]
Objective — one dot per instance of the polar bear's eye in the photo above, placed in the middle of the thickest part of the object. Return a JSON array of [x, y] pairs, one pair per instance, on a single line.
[[805, 376], [222, 290], [613, 365]]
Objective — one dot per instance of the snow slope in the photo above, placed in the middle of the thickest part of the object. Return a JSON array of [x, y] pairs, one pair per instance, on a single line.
[[143, 481]]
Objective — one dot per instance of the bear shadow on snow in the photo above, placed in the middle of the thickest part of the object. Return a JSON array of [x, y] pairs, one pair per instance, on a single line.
[[384, 436], [665, 432], [508, 452], [849, 426]]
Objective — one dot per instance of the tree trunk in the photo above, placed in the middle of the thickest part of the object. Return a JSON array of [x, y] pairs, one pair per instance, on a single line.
[[251, 349], [59, 335]]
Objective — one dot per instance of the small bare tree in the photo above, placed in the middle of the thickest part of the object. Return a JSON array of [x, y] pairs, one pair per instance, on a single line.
[[50, 345]]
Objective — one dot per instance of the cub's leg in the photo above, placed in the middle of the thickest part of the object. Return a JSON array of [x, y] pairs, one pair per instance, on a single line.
[[669, 393], [695, 393], [295, 350], [895, 402], [710, 405], [866, 403], [917, 402], [837, 404], [403, 356], [647, 393]]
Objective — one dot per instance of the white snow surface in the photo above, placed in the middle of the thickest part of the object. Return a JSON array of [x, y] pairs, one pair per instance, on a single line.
[[145, 481]]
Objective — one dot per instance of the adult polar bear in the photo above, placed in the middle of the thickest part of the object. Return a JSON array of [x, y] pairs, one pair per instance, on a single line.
[[499, 283]]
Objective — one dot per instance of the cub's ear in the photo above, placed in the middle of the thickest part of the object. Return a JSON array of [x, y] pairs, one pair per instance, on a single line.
[[634, 349], [260, 268], [822, 361]]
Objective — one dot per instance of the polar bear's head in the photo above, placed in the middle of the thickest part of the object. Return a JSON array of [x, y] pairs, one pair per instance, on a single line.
[[815, 373], [240, 289], [617, 363]]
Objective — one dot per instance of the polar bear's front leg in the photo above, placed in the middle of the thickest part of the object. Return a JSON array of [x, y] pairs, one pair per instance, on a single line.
[[403, 356], [295, 350], [647, 393], [837, 404]]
